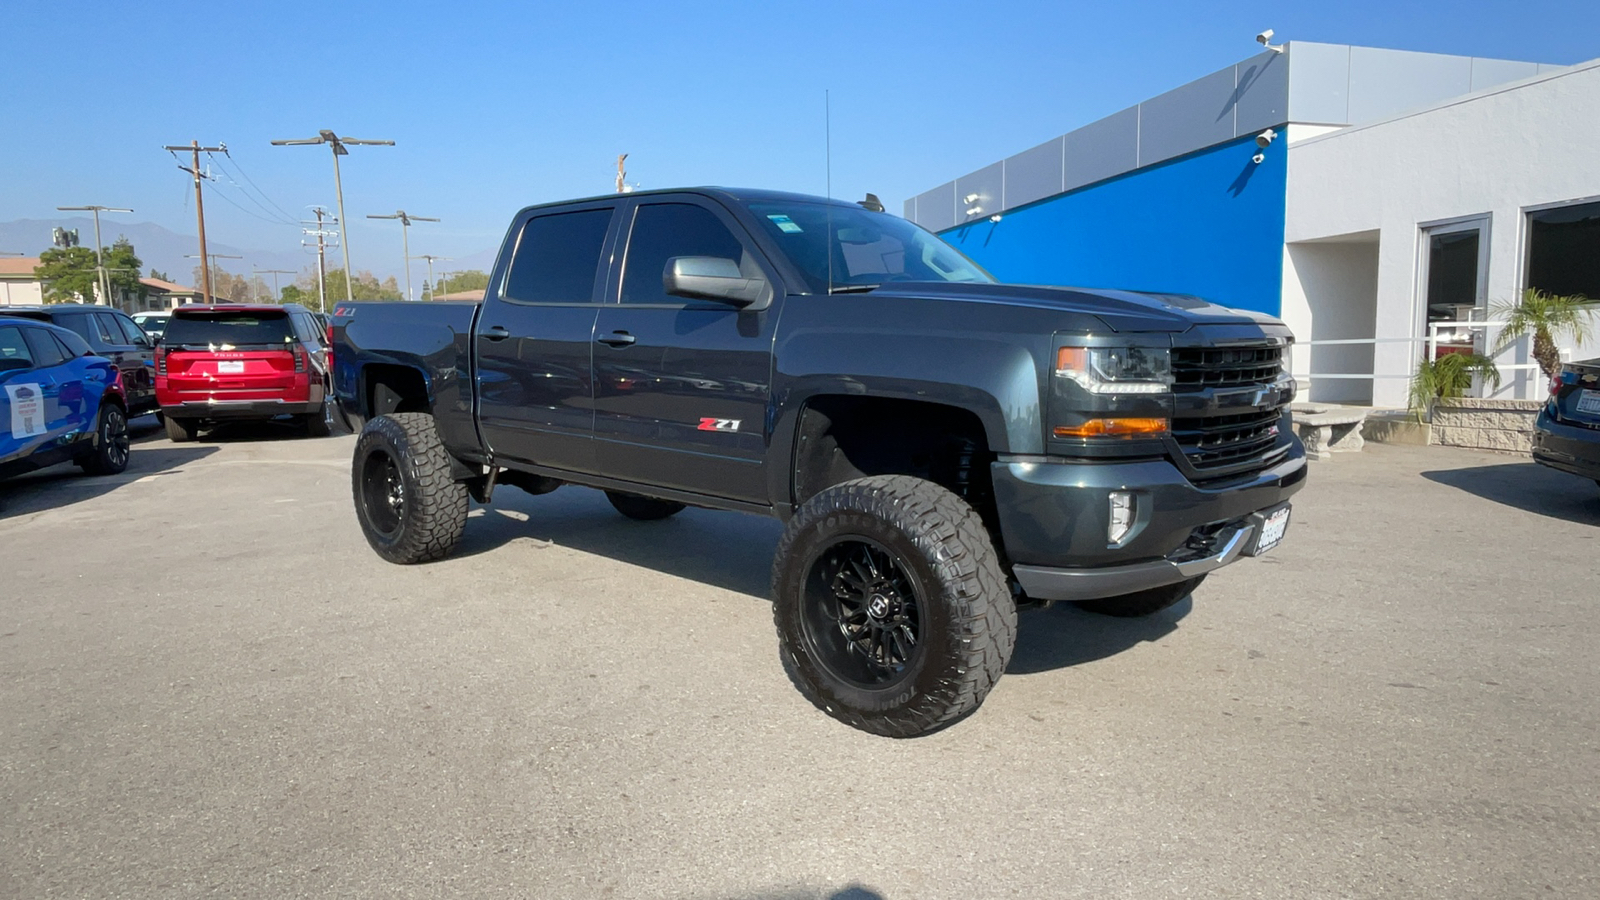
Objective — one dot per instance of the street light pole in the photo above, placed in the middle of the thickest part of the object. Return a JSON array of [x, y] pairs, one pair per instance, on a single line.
[[277, 295], [405, 239], [101, 277], [326, 136], [434, 285], [206, 295]]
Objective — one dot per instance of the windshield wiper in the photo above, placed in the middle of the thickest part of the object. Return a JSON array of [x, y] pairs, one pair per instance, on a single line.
[[853, 288]]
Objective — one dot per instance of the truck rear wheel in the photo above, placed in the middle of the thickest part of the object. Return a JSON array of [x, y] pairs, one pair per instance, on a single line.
[[1142, 603], [645, 509], [410, 508], [891, 608], [181, 430]]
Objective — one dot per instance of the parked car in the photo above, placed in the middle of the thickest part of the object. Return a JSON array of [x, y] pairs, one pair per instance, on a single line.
[[942, 447], [58, 402], [153, 322], [233, 362], [112, 334], [1566, 435]]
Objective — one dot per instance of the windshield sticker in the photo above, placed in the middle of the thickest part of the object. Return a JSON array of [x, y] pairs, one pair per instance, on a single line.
[[27, 410], [785, 224]]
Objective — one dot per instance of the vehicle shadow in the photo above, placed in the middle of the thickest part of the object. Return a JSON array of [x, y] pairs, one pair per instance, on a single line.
[[1529, 487], [1064, 635], [65, 484], [256, 430], [853, 892], [732, 551]]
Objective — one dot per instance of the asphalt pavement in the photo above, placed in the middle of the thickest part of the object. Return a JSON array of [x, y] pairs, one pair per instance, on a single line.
[[210, 686]]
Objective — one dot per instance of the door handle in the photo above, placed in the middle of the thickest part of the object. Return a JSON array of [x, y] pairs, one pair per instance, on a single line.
[[616, 339], [496, 333]]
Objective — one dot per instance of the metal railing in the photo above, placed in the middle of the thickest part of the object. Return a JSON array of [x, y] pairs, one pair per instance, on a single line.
[[1431, 343]]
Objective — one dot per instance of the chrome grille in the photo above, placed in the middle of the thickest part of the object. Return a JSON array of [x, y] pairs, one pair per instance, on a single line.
[[1238, 443]]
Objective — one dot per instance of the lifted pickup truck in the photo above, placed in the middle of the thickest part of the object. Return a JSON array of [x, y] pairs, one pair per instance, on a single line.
[[943, 448]]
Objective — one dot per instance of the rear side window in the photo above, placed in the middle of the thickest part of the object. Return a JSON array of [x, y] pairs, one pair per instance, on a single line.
[[557, 257], [75, 345], [109, 332], [130, 331], [227, 330], [46, 352], [14, 352], [79, 324]]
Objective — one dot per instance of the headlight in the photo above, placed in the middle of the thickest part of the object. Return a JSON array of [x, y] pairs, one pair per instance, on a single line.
[[1117, 370]]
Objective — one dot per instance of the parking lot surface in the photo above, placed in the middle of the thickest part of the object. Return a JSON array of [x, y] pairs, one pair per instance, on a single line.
[[210, 686]]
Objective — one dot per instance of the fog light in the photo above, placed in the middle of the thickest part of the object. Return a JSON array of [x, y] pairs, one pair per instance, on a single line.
[[1121, 516]]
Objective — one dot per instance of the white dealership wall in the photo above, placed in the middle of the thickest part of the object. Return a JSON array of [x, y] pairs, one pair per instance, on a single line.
[[1366, 193]]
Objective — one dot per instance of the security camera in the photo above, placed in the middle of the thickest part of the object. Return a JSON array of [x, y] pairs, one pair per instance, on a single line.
[[1266, 137], [970, 198], [1265, 40], [1259, 158]]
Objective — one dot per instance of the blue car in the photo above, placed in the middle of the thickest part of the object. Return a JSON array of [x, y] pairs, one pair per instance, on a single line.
[[58, 402], [1567, 433]]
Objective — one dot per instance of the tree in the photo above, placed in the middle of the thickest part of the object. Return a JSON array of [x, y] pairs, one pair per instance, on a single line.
[[159, 275], [1547, 317], [365, 286], [470, 280], [68, 274], [122, 267], [294, 293]]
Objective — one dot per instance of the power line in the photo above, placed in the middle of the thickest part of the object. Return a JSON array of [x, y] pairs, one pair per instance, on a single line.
[[271, 215], [240, 167]]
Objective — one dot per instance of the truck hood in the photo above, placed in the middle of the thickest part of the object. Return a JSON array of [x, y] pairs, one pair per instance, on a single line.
[[1121, 311]]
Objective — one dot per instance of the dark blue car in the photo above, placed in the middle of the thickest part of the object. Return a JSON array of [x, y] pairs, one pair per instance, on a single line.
[[1567, 434], [58, 402]]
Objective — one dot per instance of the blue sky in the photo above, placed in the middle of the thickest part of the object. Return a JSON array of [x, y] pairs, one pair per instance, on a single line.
[[498, 105]]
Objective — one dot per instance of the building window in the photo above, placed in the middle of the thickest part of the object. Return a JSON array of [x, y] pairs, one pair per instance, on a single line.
[[1564, 250]]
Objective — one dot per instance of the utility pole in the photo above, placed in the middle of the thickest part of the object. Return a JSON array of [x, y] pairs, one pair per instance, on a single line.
[[277, 295], [434, 289], [199, 207], [205, 266], [102, 278], [622, 173], [321, 235], [326, 136], [405, 239]]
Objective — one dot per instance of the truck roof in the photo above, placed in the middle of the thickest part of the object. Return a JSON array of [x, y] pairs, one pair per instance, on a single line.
[[737, 195]]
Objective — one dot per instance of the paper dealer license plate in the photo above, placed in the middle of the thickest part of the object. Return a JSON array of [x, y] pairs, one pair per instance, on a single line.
[[1589, 402], [1270, 533], [230, 367]]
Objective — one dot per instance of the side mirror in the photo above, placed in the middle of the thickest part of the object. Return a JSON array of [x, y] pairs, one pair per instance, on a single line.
[[713, 278]]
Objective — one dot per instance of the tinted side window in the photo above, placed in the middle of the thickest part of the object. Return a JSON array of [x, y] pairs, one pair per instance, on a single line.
[[14, 352], [557, 257], [79, 324], [129, 330], [76, 346], [46, 352], [109, 332], [664, 230]]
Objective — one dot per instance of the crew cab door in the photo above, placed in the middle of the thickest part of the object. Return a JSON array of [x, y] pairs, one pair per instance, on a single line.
[[534, 339], [681, 383]]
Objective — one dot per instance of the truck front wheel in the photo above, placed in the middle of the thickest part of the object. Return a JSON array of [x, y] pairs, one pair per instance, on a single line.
[[1142, 603], [891, 608], [409, 507]]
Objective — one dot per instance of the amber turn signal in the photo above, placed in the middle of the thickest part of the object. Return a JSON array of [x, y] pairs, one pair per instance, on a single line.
[[1112, 428]]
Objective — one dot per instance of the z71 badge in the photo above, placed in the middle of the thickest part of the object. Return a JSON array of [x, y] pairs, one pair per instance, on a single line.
[[719, 424]]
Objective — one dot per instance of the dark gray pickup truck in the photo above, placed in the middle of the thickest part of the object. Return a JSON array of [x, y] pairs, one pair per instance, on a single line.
[[943, 448]]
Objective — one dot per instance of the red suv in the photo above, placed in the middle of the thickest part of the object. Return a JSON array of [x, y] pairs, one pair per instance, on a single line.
[[232, 362]]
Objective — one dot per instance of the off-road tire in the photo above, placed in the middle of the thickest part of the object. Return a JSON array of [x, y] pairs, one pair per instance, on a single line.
[[181, 430], [1142, 603], [969, 620], [110, 452], [400, 457], [645, 509]]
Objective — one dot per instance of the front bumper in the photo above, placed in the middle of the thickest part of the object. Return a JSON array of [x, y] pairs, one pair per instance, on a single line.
[[1570, 448], [1054, 517]]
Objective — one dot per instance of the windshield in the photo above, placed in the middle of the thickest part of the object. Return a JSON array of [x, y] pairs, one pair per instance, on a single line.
[[868, 248], [227, 330]]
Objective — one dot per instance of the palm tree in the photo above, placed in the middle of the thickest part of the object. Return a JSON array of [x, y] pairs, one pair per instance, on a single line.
[[1547, 317], [1448, 378]]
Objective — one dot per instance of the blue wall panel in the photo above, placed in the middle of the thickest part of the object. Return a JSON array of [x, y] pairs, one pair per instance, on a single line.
[[1209, 224]]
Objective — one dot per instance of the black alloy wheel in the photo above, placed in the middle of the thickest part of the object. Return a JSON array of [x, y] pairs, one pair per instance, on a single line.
[[383, 494], [111, 444], [862, 612]]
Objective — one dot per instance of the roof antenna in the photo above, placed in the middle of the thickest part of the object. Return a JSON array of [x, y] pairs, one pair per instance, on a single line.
[[827, 157]]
